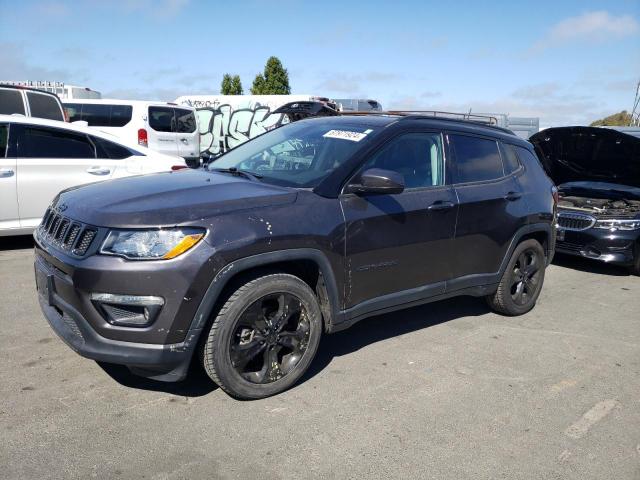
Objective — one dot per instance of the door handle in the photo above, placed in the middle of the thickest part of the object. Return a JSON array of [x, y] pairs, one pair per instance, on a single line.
[[184, 140], [511, 196], [6, 172], [440, 205], [98, 170]]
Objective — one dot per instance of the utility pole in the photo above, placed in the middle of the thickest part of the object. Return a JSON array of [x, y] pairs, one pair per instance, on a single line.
[[634, 120]]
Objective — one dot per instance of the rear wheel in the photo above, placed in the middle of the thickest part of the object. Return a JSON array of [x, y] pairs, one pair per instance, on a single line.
[[264, 337], [521, 281]]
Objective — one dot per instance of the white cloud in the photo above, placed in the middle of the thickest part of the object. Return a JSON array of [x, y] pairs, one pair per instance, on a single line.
[[551, 103], [590, 27], [354, 85]]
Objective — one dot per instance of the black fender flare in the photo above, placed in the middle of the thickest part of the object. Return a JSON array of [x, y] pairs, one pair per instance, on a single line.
[[221, 279]]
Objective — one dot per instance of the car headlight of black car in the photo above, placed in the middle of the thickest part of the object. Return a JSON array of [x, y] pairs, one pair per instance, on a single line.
[[155, 244], [615, 224]]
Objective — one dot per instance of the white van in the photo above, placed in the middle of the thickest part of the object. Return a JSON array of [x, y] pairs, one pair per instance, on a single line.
[[226, 121], [164, 127]]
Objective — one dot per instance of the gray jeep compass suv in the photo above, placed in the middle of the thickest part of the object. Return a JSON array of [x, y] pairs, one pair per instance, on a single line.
[[301, 231]]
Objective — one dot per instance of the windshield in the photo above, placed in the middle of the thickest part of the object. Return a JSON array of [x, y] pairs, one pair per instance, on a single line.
[[300, 154]]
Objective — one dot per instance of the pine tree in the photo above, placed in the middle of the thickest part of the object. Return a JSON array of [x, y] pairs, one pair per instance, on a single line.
[[274, 80], [231, 85]]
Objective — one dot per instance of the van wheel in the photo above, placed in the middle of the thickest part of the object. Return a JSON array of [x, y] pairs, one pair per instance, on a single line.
[[522, 280], [264, 337], [635, 268]]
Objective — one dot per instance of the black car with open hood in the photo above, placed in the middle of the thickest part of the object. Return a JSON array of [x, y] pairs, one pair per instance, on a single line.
[[597, 171]]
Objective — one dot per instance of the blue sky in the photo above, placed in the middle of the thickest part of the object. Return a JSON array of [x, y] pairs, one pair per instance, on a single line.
[[568, 62]]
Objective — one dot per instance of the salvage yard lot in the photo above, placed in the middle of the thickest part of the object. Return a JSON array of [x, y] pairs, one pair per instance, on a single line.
[[446, 390]]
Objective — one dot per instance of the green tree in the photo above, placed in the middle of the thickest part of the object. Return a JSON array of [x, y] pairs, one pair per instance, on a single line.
[[273, 81], [620, 119], [231, 85]]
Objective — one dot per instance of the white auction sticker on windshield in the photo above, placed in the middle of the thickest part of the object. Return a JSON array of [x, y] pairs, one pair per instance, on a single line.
[[345, 135]]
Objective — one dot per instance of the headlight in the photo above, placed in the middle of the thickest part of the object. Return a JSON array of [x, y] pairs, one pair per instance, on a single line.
[[614, 224], [151, 244]]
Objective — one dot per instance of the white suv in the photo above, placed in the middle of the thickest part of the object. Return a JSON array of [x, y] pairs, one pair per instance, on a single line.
[[30, 102], [39, 158], [164, 127]]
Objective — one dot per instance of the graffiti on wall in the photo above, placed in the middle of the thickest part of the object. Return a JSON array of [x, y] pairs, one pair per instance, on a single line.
[[222, 127]]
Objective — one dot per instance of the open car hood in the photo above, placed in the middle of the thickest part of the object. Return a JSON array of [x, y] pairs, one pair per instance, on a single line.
[[574, 154]]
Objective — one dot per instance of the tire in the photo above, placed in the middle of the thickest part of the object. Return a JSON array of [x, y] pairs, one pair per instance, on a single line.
[[635, 268], [519, 287], [264, 337]]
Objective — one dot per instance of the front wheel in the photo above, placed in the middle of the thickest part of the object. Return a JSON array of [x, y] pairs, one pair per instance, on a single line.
[[264, 337], [521, 281]]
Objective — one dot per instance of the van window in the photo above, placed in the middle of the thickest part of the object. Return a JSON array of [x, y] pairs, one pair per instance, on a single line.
[[99, 114], [185, 121], [44, 106], [11, 102], [73, 111], [4, 131], [477, 159], [161, 119], [40, 142]]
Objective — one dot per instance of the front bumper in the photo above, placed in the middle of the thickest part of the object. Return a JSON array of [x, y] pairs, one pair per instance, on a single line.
[[162, 362], [161, 350], [611, 247]]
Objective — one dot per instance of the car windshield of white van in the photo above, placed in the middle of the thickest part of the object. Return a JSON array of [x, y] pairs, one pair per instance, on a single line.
[[300, 154]]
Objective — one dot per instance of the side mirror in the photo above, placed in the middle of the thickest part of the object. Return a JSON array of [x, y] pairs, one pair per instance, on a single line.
[[377, 181]]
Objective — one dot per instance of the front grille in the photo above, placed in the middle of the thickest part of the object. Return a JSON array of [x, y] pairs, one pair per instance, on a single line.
[[66, 234], [575, 221]]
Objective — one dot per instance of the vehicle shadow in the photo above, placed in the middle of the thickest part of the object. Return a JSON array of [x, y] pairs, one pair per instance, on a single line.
[[589, 266], [382, 327], [361, 335], [196, 384], [19, 242]]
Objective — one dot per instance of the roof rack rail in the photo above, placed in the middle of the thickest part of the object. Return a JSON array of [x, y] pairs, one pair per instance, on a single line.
[[469, 117]]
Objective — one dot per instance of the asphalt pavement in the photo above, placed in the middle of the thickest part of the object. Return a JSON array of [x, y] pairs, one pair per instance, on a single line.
[[447, 390]]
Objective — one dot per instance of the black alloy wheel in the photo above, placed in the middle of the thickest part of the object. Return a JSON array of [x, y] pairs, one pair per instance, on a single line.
[[264, 337], [270, 338], [521, 281], [526, 275]]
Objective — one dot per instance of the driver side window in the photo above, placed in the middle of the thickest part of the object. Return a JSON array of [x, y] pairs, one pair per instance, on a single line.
[[417, 156]]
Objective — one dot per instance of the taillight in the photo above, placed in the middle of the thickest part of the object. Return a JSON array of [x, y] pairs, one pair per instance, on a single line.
[[143, 139], [178, 167]]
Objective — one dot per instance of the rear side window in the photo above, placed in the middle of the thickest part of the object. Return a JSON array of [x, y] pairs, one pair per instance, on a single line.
[[11, 102], [44, 106], [185, 121], [511, 163], [4, 136], [53, 143], [161, 119], [527, 157], [477, 159], [107, 149]]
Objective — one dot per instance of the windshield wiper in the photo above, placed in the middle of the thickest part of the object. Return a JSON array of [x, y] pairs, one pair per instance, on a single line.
[[235, 171]]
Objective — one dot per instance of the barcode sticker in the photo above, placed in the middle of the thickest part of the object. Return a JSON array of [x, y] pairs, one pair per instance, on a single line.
[[345, 135]]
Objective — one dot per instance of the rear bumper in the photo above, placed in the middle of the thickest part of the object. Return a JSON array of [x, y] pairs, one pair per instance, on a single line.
[[611, 247]]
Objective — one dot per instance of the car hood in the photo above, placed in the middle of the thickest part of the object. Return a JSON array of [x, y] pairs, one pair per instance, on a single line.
[[603, 190], [166, 199], [571, 154]]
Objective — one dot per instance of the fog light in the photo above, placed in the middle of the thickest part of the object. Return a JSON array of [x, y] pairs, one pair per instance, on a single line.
[[128, 310]]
